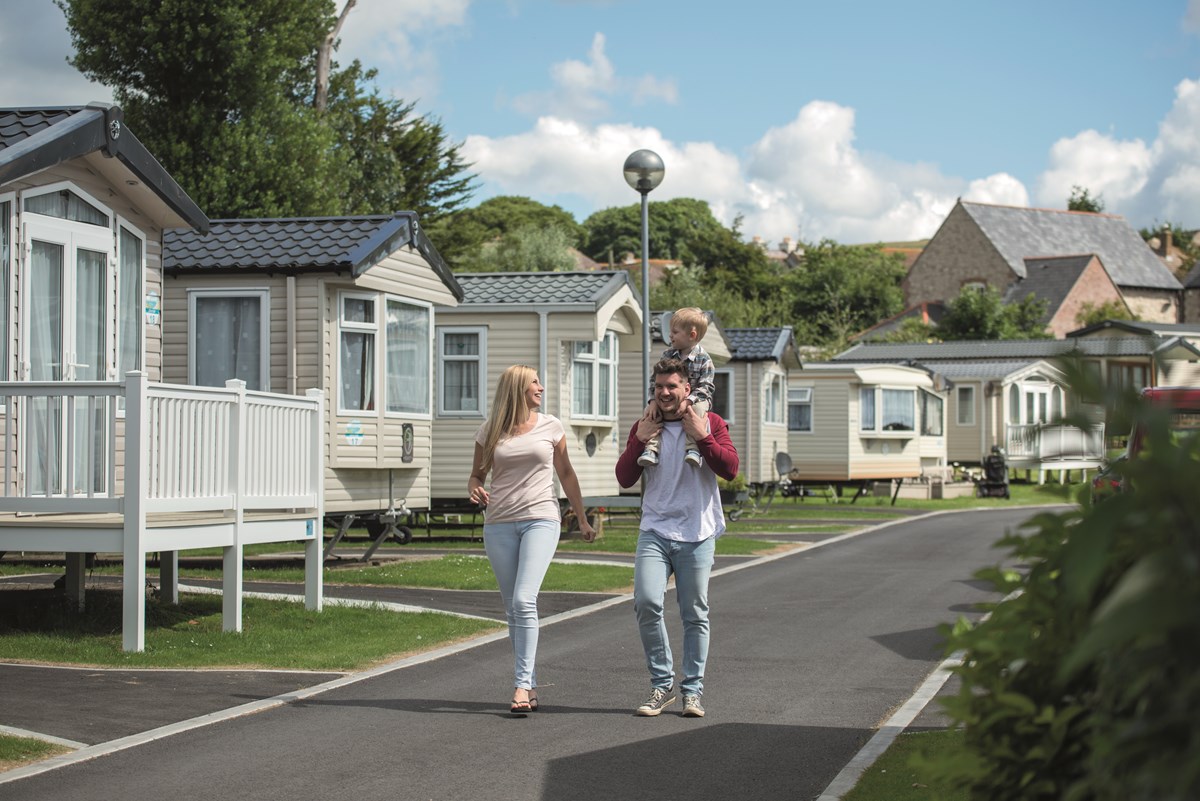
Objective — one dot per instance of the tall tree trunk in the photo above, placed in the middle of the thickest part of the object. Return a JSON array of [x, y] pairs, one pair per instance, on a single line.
[[325, 58]]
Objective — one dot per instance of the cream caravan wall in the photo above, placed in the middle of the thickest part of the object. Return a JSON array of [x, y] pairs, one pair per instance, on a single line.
[[823, 452]]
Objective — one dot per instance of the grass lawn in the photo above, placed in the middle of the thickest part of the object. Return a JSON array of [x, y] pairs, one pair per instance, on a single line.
[[276, 634], [18, 751], [900, 775]]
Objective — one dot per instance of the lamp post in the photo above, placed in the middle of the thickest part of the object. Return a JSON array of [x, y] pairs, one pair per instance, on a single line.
[[643, 171]]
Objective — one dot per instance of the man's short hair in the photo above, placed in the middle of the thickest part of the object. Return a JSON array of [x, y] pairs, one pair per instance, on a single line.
[[672, 366], [691, 317]]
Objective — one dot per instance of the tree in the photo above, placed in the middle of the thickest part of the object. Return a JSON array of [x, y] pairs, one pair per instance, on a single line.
[[533, 248], [982, 314], [223, 93], [842, 289], [1090, 313], [468, 238], [1082, 200]]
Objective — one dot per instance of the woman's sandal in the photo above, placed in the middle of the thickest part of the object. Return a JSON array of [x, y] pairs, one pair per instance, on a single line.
[[521, 708], [533, 703]]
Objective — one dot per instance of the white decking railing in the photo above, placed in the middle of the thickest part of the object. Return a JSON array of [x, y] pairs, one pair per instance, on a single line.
[[198, 458], [1052, 446]]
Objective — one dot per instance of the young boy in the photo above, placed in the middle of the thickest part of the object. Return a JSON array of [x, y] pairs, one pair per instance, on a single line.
[[688, 327]]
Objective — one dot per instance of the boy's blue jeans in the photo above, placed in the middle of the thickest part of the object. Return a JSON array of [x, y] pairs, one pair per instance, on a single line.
[[690, 562], [520, 554]]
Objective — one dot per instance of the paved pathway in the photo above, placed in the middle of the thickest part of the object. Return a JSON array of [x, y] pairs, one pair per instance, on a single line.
[[811, 652]]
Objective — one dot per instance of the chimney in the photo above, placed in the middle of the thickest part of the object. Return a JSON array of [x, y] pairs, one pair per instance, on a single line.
[[1166, 239], [786, 244]]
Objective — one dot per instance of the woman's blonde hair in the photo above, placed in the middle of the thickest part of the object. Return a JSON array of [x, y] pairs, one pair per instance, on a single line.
[[509, 409]]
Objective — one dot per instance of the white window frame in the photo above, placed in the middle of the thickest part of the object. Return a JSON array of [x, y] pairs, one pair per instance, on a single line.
[[10, 223], [876, 391], [123, 223], [959, 418], [923, 393], [375, 330], [592, 360], [263, 295], [54, 188], [800, 396], [775, 400], [480, 360], [730, 393], [381, 367]]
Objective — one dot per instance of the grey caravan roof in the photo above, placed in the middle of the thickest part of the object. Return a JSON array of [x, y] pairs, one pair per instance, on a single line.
[[758, 344], [299, 245], [36, 139], [1020, 233], [1138, 327], [524, 290], [1008, 349]]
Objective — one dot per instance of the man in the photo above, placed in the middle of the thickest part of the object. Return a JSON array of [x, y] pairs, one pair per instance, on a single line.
[[681, 520]]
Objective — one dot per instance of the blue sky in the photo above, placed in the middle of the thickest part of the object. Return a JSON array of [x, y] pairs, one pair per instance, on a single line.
[[859, 121]]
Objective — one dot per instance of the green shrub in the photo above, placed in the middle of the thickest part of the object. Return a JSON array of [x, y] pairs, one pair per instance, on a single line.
[[1086, 684]]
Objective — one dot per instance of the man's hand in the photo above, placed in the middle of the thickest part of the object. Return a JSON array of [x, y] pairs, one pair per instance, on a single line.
[[649, 425], [695, 424]]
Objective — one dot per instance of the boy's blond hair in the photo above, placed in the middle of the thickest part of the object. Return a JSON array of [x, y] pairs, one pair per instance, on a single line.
[[691, 317]]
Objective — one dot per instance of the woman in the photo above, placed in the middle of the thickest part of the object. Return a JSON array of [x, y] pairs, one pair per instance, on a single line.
[[522, 449]]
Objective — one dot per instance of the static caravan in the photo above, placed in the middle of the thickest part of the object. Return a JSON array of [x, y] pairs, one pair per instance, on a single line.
[[580, 330], [634, 389], [1010, 392], [99, 455], [346, 304], [858, 422], [752, 397]]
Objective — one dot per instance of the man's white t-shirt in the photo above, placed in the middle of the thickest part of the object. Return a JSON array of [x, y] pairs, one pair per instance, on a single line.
[[687, 494]]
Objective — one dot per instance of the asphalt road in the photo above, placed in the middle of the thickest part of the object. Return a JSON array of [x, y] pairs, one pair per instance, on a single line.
[[810, 653]]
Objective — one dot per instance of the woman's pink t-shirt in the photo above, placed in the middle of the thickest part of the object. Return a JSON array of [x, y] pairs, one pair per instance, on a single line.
[[523, 474]]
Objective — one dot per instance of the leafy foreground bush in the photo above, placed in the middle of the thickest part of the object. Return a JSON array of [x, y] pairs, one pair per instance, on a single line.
[[1086, 685]]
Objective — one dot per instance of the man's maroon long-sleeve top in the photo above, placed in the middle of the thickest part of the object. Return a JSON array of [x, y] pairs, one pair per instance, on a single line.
[[717, 450]]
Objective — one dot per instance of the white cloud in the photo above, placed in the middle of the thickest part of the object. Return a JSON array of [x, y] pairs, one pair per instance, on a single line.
[[1144, 182], [581, 89]]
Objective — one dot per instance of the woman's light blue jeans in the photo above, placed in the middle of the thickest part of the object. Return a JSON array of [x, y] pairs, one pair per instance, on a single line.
[[520, 554], [690, 562]]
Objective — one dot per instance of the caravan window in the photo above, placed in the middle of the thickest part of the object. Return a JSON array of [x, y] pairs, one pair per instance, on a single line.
[[722, 402], [408, 363], [227, 332], [932, 415], [6, 239], [594, 378], [887, 410], [773, 400], [462, 379], [800, 409]]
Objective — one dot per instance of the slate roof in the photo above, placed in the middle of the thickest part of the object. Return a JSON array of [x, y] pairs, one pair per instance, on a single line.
[[1004, 350], [1020, 233], [35, 139], [758, 344], [929, 312], [299, 245], [523, 290], [1050, 280]]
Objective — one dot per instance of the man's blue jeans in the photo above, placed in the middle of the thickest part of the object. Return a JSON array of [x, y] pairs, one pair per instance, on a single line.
[[690, 562], [520, 554]]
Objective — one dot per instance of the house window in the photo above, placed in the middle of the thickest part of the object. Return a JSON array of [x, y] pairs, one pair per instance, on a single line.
[[932, 414], [228, 333], [800, 409], [594, 378], [722, 402], [130, 270], [882, 409], [408, 363], [966, 406], [463, 375], [773, 399]]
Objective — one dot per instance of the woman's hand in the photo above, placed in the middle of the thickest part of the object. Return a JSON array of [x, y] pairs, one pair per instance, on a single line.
[[479, 495], [585, 529]]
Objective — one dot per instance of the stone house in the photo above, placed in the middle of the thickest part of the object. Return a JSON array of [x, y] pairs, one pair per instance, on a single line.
[[980, 245]]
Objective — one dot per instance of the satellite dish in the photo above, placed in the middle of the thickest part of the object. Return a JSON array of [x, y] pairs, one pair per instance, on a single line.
[[783, 463], [664, 326]]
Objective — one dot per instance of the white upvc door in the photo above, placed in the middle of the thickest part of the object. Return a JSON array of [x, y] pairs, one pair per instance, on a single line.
[[66, 336]]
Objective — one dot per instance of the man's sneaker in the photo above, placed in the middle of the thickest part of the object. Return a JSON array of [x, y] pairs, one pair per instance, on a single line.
[[691, 707], [692, 456], [658, 700], [648, 459]]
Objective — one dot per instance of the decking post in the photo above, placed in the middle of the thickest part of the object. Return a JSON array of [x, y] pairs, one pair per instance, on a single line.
[[76, 571], [231, 566], [314, 548], [168, 577], [137, 488]]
